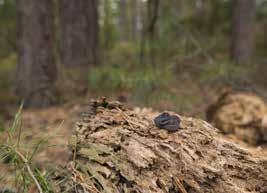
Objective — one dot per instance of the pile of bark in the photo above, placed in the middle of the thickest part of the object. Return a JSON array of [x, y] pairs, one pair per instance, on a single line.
[[117, 149], [241, 114]]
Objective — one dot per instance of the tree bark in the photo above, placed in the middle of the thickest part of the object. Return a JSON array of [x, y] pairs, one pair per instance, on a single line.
[[36, 68], [79, 32], [243, 20], [94, 30], [149, 21], [142, 55], [118, 150], [153, 14], [135, 19], [123, 20]]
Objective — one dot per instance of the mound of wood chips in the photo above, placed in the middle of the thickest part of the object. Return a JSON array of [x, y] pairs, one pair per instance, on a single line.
[[117, 149], [241, 114]]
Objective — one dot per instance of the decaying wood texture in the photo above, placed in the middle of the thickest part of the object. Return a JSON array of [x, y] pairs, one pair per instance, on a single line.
[[118, 150], [242, 114]]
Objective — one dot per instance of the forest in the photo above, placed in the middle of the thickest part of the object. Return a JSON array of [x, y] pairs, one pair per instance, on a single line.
[[133, 96]]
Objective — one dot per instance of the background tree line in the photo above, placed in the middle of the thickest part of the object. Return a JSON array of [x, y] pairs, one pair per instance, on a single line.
[[129, 45]]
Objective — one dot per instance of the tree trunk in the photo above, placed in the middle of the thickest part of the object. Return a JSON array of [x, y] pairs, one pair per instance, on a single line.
[[265, 36], [123, 20], [153, 14], [79, 32], [135, 18], [120, 150], [36, 68], [149, 21], [143, 42], [243, 20], [94, 31]]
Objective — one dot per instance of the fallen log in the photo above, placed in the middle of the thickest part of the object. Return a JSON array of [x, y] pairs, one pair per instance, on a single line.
[[120, 150]]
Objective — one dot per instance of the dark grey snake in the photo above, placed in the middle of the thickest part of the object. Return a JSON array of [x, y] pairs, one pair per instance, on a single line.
[[167, 122]]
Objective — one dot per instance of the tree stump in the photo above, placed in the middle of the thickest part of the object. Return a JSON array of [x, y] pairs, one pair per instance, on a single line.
[[119, 150]]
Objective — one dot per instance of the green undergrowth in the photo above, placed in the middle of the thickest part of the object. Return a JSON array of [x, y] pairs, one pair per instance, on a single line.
[[224, 71], [7, 66], [19, 157], [164, 86], [139, 81], [7, 74]]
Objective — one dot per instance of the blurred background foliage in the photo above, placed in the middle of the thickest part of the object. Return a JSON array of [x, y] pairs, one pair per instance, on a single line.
[[190, 53]]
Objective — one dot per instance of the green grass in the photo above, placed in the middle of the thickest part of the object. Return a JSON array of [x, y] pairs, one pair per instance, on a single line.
[[20, 159]]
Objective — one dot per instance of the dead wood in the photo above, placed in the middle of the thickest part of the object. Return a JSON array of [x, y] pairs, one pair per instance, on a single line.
[[242, 114], [119, 150]]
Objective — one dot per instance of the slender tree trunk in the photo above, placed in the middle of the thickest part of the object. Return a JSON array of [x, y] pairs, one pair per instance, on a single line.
[[265, 32], [243, 20], [123, 17], [36, 68], [94, 31], [153, 14], [135, 16], [107, 24], [149, 30], [79, 32], [143, 37], [214, 15]]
